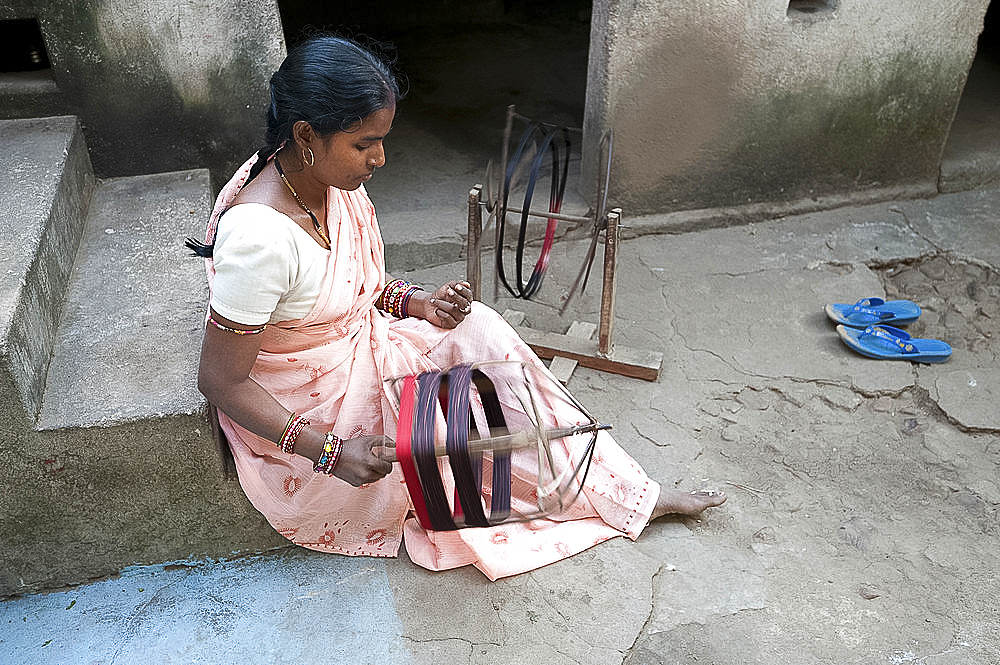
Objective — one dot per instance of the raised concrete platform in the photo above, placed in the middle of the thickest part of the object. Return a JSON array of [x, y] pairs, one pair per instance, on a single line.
[[101, 426], [971, 156]]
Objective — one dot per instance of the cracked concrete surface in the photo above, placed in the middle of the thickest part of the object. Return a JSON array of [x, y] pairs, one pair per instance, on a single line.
[[862, 524]]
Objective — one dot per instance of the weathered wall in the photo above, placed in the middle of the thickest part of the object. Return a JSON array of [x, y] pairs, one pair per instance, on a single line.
[[719, 105], [160, 85], [735, 103]]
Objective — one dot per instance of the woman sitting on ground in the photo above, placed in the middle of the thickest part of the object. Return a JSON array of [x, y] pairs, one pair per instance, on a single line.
[[305, 327]]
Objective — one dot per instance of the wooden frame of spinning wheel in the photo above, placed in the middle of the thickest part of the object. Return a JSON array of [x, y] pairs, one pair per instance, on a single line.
[[601, 355]]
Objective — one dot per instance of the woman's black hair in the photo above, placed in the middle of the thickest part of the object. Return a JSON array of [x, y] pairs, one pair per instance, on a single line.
[[328, 81]]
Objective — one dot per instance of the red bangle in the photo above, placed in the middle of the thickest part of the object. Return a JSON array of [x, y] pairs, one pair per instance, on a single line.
[[291, 433]]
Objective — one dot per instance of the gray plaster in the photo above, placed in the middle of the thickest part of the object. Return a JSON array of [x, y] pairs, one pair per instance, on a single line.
[[741, 104], [158, 85]]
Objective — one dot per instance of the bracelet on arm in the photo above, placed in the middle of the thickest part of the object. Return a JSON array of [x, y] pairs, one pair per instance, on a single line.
[[291, 433], [236, 331], [288, 425], [404, 305], [383, 299], [328, 459], [396, 296]]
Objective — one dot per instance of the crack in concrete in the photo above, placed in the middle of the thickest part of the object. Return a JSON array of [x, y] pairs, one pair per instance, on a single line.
[[472, 646], [913, 229], [664, 417], [437, 640], [738, 368], [746, 273], [668, 317], [551, 606], [648, 438], [641, 633], [922, 397], [876, 393], [961, 296]]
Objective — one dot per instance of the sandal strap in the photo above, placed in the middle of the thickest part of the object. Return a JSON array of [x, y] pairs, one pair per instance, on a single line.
[[860, 308], [899, 338]]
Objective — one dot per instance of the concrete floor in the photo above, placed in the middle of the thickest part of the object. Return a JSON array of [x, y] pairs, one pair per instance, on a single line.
[[862, 524]]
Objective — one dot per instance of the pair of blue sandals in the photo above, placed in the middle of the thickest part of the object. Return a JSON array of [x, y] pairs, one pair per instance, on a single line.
[[864, 327]]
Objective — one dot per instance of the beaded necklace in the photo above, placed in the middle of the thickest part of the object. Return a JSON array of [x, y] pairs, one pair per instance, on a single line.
[[302, 204]]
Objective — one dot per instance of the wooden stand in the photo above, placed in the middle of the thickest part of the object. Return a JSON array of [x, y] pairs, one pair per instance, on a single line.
[[603, 354]]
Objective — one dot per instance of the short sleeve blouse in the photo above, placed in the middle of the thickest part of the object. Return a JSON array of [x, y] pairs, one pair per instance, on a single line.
[[267, 268]]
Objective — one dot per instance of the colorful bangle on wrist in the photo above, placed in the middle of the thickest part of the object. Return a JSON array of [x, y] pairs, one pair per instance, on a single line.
[[288, 425], [383, 299], [291, 433], [328, 459], [404, 305], [396, 296]]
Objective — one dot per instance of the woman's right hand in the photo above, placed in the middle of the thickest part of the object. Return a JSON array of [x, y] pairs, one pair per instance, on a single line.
[[446, 307], [358, 464]]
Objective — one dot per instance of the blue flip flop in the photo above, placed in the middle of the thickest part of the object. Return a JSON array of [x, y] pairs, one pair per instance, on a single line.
[[871, 311], [888, 343]]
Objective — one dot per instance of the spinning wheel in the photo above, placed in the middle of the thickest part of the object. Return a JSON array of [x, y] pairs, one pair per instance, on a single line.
[[538, 140], [553, 140], [453, 433]]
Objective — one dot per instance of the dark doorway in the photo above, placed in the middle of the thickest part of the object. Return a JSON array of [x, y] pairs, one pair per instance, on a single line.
[[465, 62], [22, 48], [972, 154]]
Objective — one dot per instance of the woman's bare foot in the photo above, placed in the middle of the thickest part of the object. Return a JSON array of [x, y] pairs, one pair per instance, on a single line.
[[690, 504]]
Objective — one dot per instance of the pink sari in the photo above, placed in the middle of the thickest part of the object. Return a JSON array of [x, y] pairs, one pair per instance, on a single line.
[[331, 367]]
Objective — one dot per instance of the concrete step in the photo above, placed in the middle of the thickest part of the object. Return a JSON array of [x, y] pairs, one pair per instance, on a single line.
[[128, 341], [46, 186], [109, 460]]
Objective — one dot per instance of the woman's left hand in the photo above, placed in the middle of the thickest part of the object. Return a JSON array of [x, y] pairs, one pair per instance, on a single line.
[[446, 307]]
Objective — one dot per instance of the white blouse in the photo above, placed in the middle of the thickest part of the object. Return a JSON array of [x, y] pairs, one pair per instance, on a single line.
[[267, 268]]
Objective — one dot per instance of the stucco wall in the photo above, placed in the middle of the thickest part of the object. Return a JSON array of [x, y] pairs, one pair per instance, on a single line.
[[716, 104], [732, 103], [161, 85]]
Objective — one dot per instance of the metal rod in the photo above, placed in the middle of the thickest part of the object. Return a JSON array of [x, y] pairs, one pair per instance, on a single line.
[[502, 442], [553, 215]]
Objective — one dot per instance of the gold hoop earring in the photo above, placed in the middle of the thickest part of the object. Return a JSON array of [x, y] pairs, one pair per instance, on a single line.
[[312, 157]]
